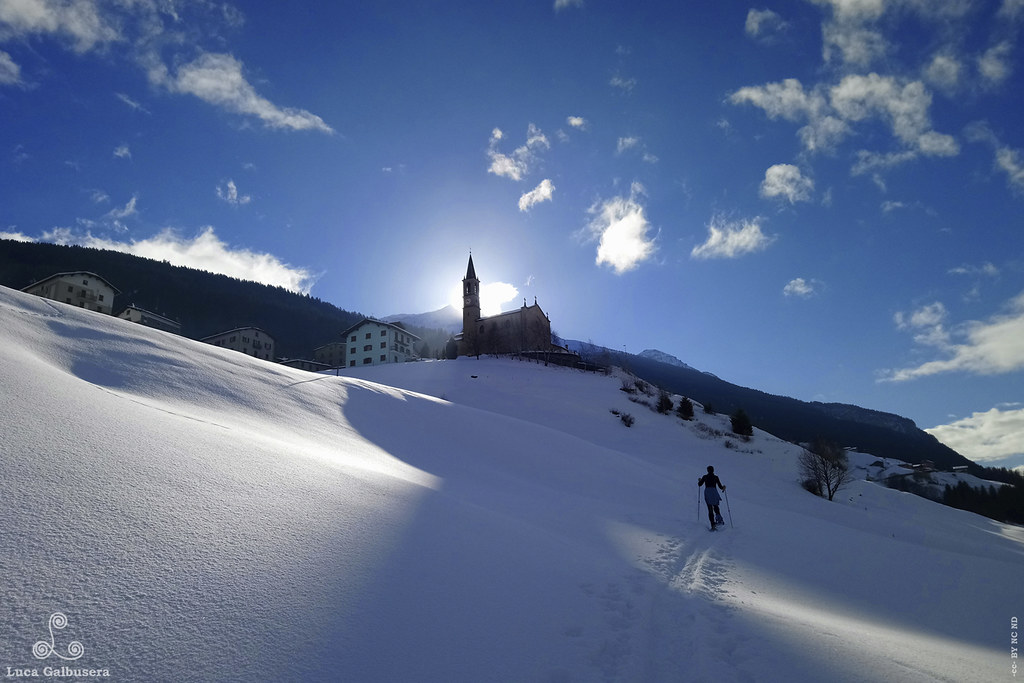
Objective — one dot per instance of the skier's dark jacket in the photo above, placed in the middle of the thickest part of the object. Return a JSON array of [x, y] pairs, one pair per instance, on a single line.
[[711, 484]]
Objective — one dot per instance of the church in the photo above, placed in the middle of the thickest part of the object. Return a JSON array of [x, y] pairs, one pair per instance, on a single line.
[[518, 331]]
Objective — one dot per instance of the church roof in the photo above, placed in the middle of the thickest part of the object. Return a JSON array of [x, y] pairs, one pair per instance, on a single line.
[[470, 272]]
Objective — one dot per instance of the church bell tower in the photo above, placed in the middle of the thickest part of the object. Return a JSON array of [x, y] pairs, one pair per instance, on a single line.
[[470, 308]]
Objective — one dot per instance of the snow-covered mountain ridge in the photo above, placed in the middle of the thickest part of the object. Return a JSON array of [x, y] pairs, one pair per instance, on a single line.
[[199, 514], [663, 357]]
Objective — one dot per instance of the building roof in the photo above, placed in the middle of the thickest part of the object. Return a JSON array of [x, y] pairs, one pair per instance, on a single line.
[[238, 329], [73, 272], [471, 271], [377, 322], [133, 307]]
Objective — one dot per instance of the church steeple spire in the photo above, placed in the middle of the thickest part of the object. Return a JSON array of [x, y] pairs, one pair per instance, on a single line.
[[470, 310]]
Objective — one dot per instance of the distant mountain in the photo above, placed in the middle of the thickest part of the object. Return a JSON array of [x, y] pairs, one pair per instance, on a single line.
[[448, 319], [662, 357], [870, 431]]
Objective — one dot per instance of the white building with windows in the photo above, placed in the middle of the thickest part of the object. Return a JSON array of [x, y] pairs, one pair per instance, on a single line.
[[252, 341], [374, 342], [78, 288]]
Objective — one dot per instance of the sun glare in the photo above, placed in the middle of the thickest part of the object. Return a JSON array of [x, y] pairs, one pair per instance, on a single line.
[[493, 295]]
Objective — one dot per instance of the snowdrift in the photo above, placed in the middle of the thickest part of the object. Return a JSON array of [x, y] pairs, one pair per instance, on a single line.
[[195, 514]]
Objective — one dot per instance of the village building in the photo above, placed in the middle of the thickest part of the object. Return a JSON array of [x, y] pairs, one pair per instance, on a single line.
[[375, 342], [304, 364], [143, 317], [78, 288], [252, 341], [520, 331], [331, 354]]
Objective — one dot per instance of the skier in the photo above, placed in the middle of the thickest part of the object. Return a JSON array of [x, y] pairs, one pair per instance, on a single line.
[[711, 484]]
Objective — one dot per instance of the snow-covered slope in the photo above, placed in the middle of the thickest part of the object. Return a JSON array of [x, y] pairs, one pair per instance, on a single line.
[[200, 515], [662, 357], [447, 318]]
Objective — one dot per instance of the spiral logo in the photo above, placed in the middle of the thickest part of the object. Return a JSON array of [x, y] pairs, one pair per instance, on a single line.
[[43, 649]]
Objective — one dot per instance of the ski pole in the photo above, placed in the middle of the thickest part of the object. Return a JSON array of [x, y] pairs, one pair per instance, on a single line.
[[698, 503], [728, 509]]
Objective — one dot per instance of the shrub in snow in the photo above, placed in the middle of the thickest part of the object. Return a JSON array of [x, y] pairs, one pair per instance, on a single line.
[[685, 408], [741, 424], [826, 465], [664, 402], [627, 419]]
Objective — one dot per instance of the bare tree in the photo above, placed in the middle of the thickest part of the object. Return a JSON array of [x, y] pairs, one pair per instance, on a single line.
[[825, 468]]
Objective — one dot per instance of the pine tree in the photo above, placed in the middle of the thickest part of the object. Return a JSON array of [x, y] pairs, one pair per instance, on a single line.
[[741, 424]]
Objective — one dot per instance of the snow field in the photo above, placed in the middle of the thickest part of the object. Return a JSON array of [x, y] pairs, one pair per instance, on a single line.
[[199, 514]]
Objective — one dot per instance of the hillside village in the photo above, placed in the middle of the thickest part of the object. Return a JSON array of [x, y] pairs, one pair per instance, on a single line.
[[368, 342]]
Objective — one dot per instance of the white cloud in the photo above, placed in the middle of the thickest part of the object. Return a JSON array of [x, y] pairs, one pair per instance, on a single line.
[[131, 103], [228, 191], [904, 105], [622, 83], [626, 143], [787, 99], [10, 72], [541, 193], [802, 288], [855, 43], [995, 65], [927, 323], [944, 72], [990, 347], [732, 239], [214, 78], [562, 4], [987, 269], [16, 237], [82, 21], [764, 24], [517, 165], [128, 210], [1007, 160], [205, 251], [1011, 9], [123, 152], [577, 122], [622, 230], [786, 180], [218, 80], [996, 434]]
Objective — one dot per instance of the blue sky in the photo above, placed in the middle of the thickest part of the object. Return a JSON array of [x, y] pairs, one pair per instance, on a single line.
[[816, 198]]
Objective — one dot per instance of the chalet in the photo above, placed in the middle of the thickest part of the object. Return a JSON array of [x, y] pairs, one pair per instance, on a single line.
[[375, 342], [78, 288], [252, 341]]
